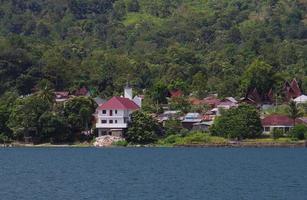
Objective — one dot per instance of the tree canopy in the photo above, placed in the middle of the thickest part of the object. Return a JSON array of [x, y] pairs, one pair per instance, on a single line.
[[209, 46], [238, 123]]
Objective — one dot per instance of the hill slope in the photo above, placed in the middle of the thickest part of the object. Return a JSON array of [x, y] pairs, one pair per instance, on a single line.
[[200, 46]]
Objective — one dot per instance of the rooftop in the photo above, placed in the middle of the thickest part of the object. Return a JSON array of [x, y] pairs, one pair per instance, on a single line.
[[119, 103]]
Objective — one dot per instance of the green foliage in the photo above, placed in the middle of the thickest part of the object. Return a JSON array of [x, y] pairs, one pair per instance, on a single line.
[[180, 103], [240, 123], [26, 113], [209, 46], [200, 46], [53, 127], [122, 143], [4, 138], [190, 139], [294, 111], [143, 129], [277, 133], [299, 132], [258, 75], [78, 112], [173, 127]]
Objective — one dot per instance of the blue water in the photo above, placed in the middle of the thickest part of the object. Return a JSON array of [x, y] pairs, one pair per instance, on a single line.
[[153, 174]]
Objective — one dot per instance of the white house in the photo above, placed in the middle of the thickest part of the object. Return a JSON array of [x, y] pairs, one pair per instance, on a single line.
[[112, 117], [301, 99]]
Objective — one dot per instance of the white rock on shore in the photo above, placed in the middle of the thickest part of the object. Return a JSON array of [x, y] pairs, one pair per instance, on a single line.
[[106, 140]]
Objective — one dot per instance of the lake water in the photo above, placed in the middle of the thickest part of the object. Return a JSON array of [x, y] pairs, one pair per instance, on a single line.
[[153, 173]]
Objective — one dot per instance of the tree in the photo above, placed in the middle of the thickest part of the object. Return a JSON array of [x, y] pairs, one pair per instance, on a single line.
[[25, 115], [299, 132], [6, 105], [78, 112], [173, 127], [240, 123], [53, 127], [159, 93], [133, 6], [258, 75], [294, 111], [142, 129]]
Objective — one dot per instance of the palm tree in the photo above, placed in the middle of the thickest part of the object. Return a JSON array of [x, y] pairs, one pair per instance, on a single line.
[[46, 94], [294, 111]]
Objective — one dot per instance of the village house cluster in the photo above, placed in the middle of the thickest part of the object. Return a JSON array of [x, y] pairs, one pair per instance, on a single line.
[[112, 116]]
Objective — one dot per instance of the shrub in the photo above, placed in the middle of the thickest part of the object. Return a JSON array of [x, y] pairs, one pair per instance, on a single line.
[[121, 143], [3, 138], [299, 132], [240, 123], [143, 129], [277, 133]]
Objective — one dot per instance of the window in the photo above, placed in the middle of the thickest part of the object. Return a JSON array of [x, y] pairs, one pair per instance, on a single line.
[[287, 129], [103, 121], [267, 129], [111, 112], [111, 121], [104, 112], [115, 121], [115, 111]]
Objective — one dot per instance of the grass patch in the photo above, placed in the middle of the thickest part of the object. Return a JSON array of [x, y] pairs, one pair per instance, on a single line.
[[136, 18], [192, 138], [271, 140], [122, 143]]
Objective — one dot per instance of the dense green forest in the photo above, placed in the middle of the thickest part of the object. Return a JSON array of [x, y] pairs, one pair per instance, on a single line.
[[199, 46]]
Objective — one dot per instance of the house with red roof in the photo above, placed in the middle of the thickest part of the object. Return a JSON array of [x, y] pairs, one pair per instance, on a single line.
[[291, 90], [281, 122], [113, 116]]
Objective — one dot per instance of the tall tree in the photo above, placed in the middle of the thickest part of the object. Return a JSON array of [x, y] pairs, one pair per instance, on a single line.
[[294, 111]]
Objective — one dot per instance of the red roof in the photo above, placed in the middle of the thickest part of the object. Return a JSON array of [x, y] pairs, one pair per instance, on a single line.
[[211, 101], [296, 89], [81, 92], [279, 120], [61, 94], [176, 93], [119, 103]]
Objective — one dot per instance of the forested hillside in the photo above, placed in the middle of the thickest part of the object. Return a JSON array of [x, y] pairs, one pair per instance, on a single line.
[[199, 46]]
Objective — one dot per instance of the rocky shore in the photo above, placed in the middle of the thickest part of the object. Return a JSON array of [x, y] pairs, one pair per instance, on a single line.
[[106, 141]]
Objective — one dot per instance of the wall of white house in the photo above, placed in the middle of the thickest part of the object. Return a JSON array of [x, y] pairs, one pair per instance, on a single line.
[[113, 118], [269, 129]]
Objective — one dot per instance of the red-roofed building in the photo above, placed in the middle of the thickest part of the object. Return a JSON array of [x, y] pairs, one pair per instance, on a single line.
[[176, 93], [82, 92], [61, 96], [211, 101], [281, 122], [112, 117], [291, 90]]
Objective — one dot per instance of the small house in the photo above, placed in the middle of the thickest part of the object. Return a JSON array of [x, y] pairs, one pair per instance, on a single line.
[[113, 116], [190, 119], [281, 122]]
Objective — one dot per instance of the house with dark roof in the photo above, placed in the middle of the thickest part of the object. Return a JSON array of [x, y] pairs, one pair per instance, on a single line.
[[113, 116], [291, 90], [281, 122], [61, 96]]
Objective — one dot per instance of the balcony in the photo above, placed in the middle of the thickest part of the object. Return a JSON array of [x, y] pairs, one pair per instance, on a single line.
[[111, 126]]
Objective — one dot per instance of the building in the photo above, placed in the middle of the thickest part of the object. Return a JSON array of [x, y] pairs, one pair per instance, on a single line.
[[168, 115], [61, 96], [301, 99], [113, 116], [291, 90], [281, 122], [190, 119]]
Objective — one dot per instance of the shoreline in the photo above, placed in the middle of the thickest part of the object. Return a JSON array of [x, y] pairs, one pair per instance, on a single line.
[[242, 144], [248, 145]]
